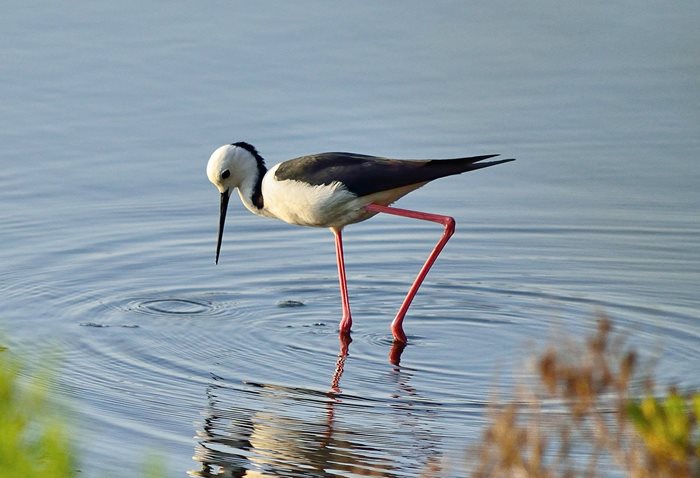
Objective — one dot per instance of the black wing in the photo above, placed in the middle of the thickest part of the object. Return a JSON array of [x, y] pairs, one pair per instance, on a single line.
[[363, 175]]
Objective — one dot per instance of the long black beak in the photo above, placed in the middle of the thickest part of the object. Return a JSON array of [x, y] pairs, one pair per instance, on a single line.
[[222, 219]]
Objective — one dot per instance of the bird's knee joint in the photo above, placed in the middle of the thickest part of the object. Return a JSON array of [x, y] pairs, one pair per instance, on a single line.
[[450, 224]]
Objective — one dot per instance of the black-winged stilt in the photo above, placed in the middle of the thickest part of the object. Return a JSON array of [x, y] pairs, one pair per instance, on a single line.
[[333, 190]]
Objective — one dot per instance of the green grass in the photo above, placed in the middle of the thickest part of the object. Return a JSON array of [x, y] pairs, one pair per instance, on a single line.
[[33, 441], [668, 427]]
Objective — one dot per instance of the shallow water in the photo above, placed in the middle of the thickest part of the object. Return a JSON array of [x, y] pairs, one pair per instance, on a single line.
[[108, 222]]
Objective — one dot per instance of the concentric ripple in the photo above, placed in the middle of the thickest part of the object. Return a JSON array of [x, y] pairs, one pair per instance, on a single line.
[[169, 303], [174, 306]]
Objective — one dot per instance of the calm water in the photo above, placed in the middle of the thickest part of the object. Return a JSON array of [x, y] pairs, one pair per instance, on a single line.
[[110, 111]]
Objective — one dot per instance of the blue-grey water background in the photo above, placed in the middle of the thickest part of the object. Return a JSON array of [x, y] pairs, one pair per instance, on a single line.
[[108, 114]]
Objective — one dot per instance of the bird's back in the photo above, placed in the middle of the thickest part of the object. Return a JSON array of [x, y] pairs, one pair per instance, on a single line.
[[363, 175]]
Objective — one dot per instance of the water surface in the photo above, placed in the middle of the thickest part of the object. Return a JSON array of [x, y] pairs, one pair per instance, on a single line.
[[108, 222]]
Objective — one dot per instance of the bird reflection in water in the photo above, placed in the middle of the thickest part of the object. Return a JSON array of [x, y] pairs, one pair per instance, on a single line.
[[261, 430]]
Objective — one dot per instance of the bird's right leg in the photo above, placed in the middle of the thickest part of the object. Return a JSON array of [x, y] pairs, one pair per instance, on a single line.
[[346, 321], [449, 224]]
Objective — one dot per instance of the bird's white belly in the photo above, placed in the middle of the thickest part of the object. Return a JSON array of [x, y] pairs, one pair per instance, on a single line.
[[299, 203]]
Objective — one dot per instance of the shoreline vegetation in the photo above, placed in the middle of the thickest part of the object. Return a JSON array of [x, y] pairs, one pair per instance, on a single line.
[[593, 399], [597, 400]]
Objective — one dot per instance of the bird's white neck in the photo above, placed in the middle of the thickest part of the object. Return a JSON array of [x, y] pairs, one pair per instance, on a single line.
[[250, 193], [250, 170]]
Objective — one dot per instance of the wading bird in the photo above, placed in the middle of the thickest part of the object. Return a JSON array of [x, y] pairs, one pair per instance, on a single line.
[[333, 190]]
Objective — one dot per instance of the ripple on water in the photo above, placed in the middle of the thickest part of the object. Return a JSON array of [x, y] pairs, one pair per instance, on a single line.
[[174, 306], [161, 307], [260, 365], [171, 303]]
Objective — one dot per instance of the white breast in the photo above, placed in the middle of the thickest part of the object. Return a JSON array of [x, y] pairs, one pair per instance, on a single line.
[[297, 202]]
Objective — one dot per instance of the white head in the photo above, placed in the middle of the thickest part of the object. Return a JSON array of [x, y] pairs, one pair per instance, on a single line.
[[223, 168], [234, 166]]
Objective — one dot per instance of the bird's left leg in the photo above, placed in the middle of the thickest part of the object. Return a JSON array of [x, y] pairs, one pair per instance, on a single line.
[[346, 322], [449, 223]]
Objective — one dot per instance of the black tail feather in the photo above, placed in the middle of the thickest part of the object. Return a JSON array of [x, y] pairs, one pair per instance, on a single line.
[[491, 163], [447, 167]]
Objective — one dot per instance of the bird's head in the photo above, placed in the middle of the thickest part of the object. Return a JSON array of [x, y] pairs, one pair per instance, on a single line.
[[224, 167], [233, 166]]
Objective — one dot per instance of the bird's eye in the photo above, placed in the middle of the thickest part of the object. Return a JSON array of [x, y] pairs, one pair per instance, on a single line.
[[225, 174]]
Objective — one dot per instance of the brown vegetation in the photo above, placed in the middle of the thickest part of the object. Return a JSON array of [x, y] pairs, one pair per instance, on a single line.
[[586, 405]]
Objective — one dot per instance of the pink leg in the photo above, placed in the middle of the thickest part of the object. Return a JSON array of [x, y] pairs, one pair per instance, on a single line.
[[346, 322], [449, 223]]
